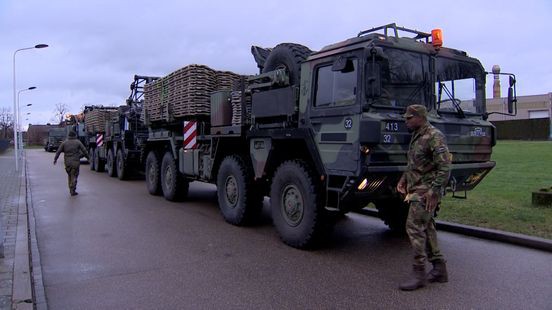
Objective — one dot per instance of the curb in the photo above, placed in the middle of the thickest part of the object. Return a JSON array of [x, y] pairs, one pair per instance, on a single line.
[[39, 294], [28, 288], [485, 233], [22, 297]]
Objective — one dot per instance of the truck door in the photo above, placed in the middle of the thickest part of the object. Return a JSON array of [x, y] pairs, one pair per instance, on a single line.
[[335, 112]]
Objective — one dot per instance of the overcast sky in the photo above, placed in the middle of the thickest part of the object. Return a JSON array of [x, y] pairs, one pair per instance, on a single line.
[[96, 47]]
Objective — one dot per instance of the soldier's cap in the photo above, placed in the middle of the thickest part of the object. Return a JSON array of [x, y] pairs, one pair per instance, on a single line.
[[72, 134], [415, 110]]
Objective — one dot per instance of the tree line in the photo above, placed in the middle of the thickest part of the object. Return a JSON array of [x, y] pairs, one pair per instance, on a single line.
[[7, 119]]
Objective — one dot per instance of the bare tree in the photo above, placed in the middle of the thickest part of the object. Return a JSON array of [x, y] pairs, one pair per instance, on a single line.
[[59, 112], [6, 123]]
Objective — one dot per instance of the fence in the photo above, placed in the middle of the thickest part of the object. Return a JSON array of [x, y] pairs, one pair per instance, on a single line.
[[523, 129]]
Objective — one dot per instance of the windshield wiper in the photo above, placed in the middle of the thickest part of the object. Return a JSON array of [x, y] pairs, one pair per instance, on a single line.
[[455, 102], [415, 92]]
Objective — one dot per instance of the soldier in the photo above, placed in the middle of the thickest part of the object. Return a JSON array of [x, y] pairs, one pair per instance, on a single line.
[[423, 184], [73, 151]]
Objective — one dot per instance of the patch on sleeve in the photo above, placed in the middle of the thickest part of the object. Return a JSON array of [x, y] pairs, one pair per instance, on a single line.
[[440, 149]]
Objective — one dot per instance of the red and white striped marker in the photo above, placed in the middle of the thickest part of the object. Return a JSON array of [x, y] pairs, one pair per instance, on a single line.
[[190, 133], [99, 139]]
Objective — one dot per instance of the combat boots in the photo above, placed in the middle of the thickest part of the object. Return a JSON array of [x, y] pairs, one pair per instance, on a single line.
[[439, 272], [417, 281]]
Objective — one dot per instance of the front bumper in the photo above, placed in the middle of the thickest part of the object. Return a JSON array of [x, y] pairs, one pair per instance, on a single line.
[[463, 177]]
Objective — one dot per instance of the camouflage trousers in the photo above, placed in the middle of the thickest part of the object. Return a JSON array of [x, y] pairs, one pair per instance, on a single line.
[[72, 175], [420, 227]]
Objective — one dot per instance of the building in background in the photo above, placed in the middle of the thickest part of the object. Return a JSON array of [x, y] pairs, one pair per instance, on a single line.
[[37, 134], [528, 107], [532, 120]]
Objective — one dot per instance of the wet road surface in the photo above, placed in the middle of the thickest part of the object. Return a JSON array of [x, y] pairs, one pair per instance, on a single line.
[[114, 246]]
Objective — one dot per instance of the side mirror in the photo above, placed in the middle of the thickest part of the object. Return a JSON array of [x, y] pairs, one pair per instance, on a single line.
[[512, 94], [510, 99], [373, 80]]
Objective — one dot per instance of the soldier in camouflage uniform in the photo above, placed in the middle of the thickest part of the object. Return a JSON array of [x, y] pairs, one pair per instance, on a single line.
[[72, 150], [423, 184]]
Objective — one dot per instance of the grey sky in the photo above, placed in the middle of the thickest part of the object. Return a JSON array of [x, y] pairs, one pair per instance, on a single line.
[[97, 46]]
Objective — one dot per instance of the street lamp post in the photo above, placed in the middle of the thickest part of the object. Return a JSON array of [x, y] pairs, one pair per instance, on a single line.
[[19, 116], [16, 117]]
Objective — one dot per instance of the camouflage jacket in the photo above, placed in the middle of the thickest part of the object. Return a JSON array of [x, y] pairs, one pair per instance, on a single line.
[[72, 150], [429, 162]]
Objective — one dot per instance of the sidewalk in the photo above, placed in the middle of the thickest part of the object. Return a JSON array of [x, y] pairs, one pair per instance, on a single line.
[[16, 283]]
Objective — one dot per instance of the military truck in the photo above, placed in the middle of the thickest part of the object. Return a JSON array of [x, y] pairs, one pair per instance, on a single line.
[[55, 137], [117, 134], [98, 129], [75, 122], [319, 132]]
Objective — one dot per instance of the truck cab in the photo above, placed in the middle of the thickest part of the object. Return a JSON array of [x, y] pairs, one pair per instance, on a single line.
[[353, 94], [55, 138]]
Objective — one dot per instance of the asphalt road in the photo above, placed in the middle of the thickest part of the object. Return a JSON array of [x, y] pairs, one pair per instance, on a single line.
[[114, 246]]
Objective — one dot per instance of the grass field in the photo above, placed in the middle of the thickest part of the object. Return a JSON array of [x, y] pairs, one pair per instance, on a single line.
[[503, 199]]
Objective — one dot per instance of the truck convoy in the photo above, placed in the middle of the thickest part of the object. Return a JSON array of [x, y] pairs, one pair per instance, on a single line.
[[319, 132]]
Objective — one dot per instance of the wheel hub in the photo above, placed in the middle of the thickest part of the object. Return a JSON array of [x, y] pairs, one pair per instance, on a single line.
[[231, 191], [168, 177], [293, 207], [151, 174]]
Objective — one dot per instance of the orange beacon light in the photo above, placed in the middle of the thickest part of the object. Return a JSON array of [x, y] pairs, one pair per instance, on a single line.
[[437, 38]]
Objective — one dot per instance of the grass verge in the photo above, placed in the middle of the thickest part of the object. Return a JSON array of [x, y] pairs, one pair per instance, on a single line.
[[503, 199]]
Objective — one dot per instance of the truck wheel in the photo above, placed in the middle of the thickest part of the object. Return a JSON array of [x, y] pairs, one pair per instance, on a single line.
[[174, 186], [239, 202], [120, 165], [297, 211], [153, 179], [92, 160], [393, 212], [110, 165], [98, 162], [287, 56]]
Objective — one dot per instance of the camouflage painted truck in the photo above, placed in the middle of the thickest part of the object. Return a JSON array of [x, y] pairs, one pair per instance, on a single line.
[[98, 128], [117, 134], [320, 133], [55, 137], [75, 122]]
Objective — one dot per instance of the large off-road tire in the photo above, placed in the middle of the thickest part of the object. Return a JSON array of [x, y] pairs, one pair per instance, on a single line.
[[393, 212], [175, 186], [287, 56], [153, 173], [121, 165], [240, 202], [297, 211], [92, 160], [110, 164], [98, 162]]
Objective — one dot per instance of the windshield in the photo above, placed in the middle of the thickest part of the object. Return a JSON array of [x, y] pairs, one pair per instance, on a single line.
[[404, 77], [459, 87]]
